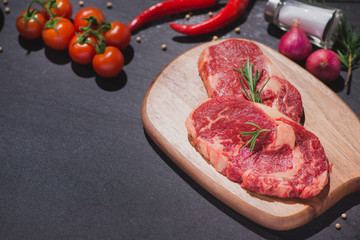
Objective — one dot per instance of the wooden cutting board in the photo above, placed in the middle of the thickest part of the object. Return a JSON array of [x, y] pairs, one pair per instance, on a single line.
[[178, 89]]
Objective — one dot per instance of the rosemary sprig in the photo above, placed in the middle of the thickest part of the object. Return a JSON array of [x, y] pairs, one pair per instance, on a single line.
[[247, 73], [254, 135], [348, 46]]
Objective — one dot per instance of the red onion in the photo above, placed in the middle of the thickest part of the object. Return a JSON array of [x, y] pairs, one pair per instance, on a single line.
[[295, 44], [324, 64]]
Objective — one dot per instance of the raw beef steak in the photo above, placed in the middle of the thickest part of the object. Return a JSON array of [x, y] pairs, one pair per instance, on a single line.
[[216, 66], [290, 162]]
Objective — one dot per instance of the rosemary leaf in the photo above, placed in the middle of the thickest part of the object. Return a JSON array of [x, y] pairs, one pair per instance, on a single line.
[[251, 80], [254, 135], [347, 46]]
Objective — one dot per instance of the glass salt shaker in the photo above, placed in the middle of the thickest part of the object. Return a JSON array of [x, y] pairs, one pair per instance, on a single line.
[[319, 22]]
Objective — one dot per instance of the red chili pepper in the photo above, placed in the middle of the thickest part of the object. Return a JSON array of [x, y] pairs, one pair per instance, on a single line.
[[168, 8], [232, 10]]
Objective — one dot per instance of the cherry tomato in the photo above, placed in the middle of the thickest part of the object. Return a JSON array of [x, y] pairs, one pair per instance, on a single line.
[[63, 8], [82, 53], [110, 63], [118, 36], [86, 13], [30, 27], [59, 39]]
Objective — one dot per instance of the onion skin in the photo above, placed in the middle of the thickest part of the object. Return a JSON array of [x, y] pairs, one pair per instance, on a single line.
[[295, 44], [324, 64]]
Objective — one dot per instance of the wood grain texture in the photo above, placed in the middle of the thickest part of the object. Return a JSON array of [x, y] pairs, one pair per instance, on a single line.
[[178, 89]]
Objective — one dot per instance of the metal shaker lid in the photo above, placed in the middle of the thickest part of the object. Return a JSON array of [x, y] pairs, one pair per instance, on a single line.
[[270, 9]]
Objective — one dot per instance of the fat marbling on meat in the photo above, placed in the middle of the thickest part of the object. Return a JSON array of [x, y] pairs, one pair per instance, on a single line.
[[216, 66], [290, 162]]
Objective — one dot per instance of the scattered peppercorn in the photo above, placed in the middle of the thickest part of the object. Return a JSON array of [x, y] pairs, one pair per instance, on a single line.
[[210, 14], [187, 16], [1, 48], [344, 216], [7, 10], [337, 225], [138, 39], [109, 5], [237, 30], [81, 3], [5, 2], [164, 47], [214, 38]]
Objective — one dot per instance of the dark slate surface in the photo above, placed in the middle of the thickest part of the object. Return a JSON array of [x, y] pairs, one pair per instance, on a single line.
[[76, 163]]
